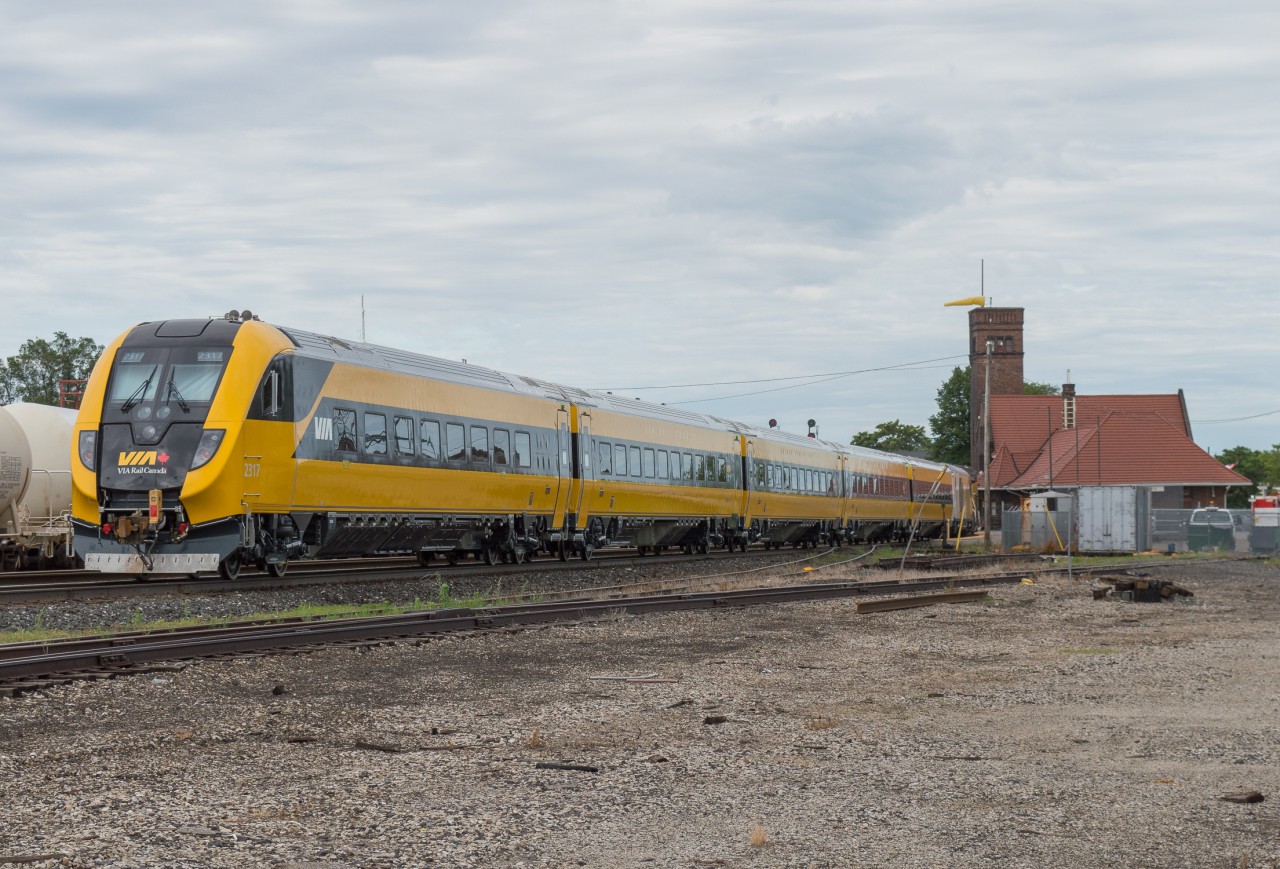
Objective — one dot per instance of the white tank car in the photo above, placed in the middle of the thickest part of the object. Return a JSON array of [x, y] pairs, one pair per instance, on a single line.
[[35, 486]]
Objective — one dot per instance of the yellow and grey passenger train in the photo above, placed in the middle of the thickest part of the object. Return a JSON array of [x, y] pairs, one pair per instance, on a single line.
[[213, 443]]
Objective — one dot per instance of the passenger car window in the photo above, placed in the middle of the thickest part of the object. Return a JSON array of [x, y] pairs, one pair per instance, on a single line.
[[606, 459], [635, 461], [455, 442], [375, 434], [501, 445], [522, 449], [649, 462], [662, 464], [686, 466], [404, 436], [479, 445], [619, 460], [429, 439]]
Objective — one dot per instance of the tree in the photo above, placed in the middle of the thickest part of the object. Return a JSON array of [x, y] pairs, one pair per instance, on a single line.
[[896, 436], [1033, 387], [1262, 467], [950, 425], [32, 374]]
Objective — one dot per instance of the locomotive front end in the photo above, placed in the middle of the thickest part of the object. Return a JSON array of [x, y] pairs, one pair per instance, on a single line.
[[144, 432]]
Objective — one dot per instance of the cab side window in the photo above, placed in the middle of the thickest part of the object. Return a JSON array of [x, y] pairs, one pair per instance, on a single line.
[[344, 430]]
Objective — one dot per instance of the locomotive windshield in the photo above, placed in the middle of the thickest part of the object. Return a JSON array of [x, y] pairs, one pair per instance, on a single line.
[[164, 383]]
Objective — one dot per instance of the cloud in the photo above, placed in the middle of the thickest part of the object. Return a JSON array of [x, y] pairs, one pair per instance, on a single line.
[[663, 193]]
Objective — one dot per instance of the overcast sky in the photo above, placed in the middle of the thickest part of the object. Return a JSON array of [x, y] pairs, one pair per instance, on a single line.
[[633, 194]]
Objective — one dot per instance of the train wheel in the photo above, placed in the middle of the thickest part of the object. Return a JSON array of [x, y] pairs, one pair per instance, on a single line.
[[278, 568], [742, 545], [229, 567], [488, 557], [642, 551], [452, 558], [586, 552], [563, 552], [528, 556], [424, 559]]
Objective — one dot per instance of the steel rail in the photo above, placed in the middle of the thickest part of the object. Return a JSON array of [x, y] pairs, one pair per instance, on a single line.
[[115, 658], [96, 587]]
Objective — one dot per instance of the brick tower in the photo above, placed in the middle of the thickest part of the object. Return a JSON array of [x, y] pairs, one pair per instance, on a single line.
[[1003, 328]]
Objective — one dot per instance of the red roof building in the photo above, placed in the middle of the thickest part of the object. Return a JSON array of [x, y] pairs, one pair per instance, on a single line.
[[1064, 441]]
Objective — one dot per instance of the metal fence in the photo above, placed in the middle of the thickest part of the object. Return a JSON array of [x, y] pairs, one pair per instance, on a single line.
[[1037, 530], [1169, 531]]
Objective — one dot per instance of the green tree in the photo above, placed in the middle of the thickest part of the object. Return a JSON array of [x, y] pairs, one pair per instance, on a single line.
[[897, 436], [950, 425], [32, 374], [1034, 387], [1262, 467]]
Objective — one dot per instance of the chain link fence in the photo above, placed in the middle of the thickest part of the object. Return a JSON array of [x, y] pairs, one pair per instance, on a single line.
[[1169, 530]]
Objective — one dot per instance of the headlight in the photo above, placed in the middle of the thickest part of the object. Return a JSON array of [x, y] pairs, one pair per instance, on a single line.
[[209, 443], [89, 449]]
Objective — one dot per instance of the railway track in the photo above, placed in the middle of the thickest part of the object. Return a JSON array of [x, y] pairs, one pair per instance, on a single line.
[[28, 667], [33, 666], [70, 585]]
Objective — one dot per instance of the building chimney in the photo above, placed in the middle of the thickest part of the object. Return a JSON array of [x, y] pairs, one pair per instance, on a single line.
[[1068, 404]]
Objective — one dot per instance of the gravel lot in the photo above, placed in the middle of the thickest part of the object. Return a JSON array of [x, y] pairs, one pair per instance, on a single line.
[[1041, 729]]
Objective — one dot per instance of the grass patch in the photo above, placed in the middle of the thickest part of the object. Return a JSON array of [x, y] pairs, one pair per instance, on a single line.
[[137, 621]]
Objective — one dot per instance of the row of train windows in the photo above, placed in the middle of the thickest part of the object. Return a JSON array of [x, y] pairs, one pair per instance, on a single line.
[[788, 478], [620, 460], [424, 439]]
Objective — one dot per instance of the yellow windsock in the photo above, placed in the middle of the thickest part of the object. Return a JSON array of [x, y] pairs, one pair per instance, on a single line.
[[980, 301]]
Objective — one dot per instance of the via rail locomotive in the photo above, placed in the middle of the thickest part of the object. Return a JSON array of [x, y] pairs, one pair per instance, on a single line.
[[213, 443]]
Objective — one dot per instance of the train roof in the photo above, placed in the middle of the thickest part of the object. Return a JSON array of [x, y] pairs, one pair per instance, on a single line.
[[313, 345]]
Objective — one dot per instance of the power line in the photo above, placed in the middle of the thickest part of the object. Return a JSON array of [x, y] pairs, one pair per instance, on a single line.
[[904, 366], [1235, 419], [828, 376]]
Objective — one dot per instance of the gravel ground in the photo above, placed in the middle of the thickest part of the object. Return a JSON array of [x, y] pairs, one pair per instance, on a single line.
[[1041, 729]]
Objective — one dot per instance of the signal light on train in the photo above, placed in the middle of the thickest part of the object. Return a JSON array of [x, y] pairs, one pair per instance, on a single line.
[[208, 445], [88, 449], [773, 423], [107, 528]]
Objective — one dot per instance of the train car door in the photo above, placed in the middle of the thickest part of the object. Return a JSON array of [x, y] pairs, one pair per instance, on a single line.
[[268, 443], [742, 448], [564, 467], [754, 492], [583, 474]]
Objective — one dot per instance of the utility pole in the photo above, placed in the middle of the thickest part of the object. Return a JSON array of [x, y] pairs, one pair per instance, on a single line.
[[986, 450]]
